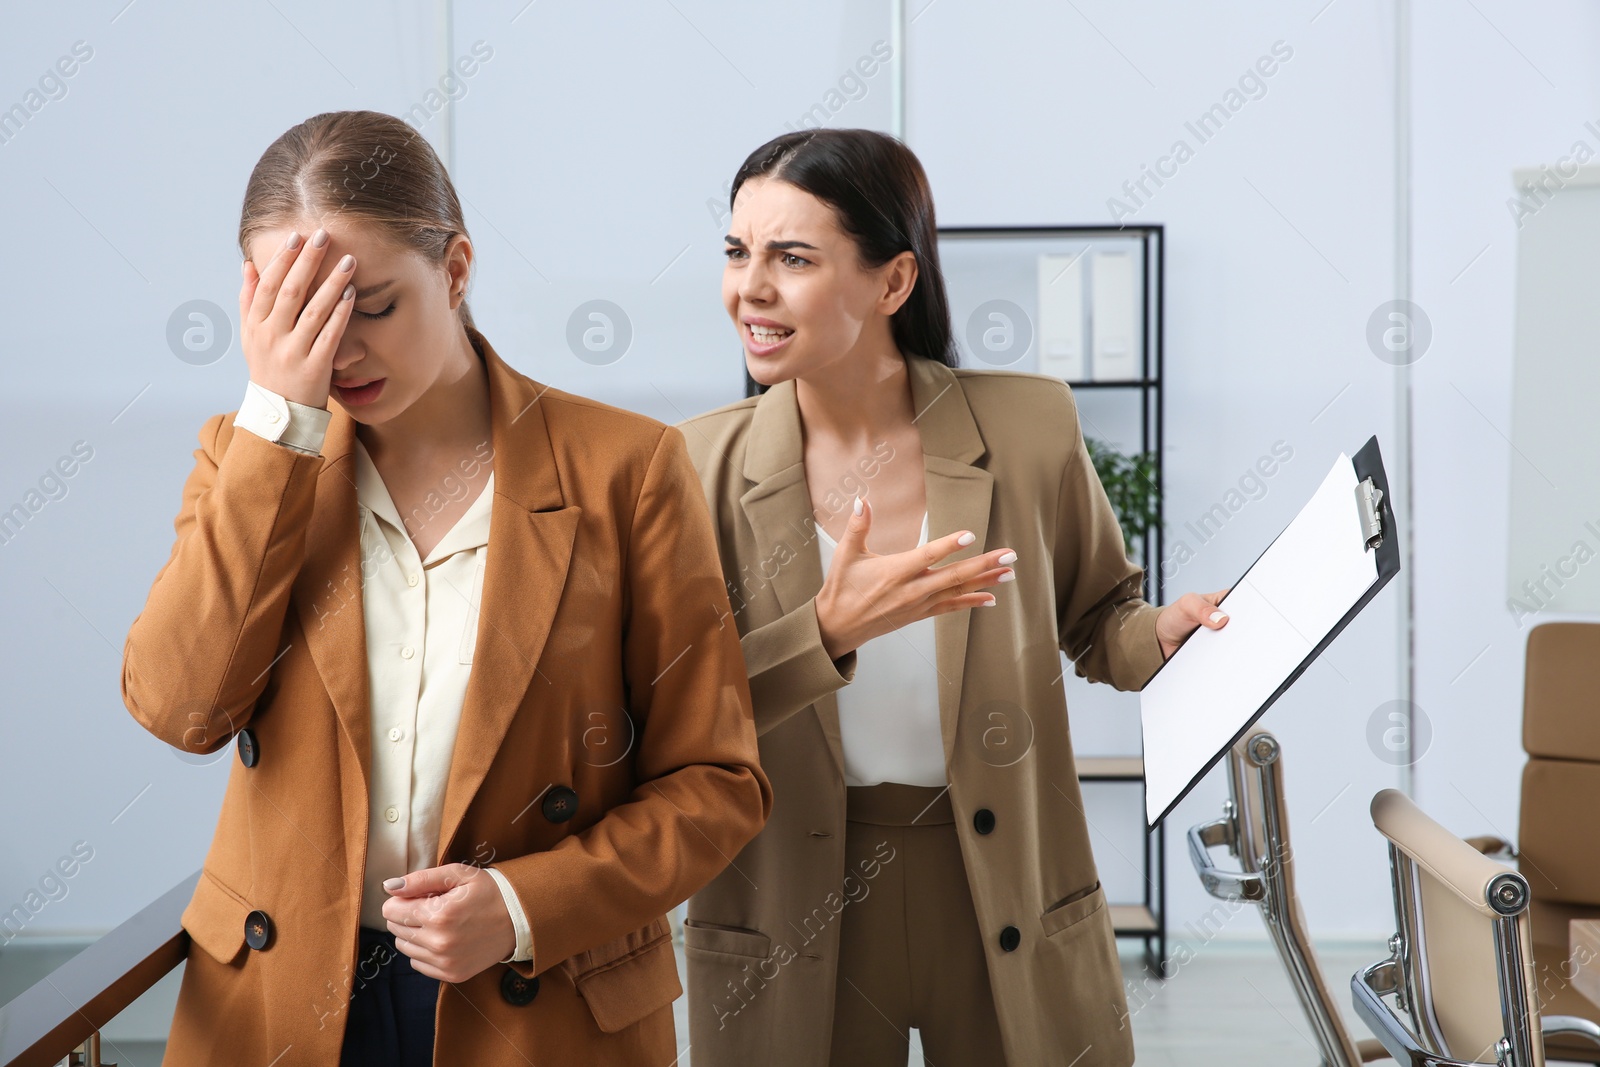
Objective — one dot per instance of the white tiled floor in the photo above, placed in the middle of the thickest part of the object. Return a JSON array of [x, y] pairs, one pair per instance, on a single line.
[[1233, 1004]]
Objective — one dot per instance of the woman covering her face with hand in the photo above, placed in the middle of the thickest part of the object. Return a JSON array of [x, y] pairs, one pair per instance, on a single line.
[[908, 547], [465, 631]]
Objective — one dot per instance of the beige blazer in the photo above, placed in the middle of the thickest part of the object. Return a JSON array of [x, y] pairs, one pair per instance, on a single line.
[[605, 761], [1004, 458]]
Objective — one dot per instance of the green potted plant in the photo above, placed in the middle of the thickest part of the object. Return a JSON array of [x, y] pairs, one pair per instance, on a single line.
[[1130, 483]]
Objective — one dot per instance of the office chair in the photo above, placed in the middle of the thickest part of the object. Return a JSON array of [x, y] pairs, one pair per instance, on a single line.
[[1560, 818], [1255, 829], [1459, 986]]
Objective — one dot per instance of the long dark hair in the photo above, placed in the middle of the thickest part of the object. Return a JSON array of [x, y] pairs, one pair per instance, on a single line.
[[879, 191], [366, 166]]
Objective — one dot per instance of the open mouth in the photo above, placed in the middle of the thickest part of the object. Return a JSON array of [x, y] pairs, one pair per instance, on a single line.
[[766, 338], [357, 394]]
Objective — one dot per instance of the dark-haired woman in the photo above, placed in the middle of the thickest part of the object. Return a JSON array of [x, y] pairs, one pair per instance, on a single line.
[[466, 633], [908, 548]]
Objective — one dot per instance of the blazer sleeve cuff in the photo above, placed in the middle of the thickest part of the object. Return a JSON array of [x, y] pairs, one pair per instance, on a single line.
[[1136, 654], [789, 667], [519, 918]]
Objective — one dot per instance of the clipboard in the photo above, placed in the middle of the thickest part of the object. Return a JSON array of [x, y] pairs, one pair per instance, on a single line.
[[1299, 594]]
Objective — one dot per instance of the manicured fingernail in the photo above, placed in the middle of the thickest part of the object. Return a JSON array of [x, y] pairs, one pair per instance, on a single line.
[[1008, 559], [989, 603], [319, 238], [966, 538], [1218, 616], [1009, 576], [347, 262], [392, 884], [293, 241], [857, 504], [349, 291]]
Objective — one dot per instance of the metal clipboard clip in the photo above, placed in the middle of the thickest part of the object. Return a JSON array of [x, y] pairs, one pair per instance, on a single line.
[[1369, 502]]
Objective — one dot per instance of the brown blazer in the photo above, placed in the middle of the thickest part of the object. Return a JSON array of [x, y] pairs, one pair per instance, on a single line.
[[1004, 458], [600, 635]]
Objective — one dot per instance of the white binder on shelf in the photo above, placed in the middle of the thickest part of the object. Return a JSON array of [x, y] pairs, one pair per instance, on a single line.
[[1061, 315], [1115, 317]]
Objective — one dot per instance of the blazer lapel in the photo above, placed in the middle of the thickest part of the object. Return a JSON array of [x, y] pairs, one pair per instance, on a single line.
[[531, 535], [531, 539], [959, 495], [778, 508], [327, 596]]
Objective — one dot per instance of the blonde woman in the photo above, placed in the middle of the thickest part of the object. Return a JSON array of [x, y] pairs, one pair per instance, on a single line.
[[465, 632]]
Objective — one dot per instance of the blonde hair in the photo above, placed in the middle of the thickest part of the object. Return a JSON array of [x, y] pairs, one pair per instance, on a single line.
[[364, 166]]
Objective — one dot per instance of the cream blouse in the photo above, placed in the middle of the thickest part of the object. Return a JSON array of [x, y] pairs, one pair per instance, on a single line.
[[889, 714], [421, 618]]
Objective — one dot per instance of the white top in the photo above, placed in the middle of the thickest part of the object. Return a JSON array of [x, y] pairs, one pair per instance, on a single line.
[[889, 714], [421, 621]]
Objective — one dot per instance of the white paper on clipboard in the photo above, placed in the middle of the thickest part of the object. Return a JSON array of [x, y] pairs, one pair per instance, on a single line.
[[1292, 598]]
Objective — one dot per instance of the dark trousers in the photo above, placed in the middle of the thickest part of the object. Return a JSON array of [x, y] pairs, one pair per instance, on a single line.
[[391, 1008]]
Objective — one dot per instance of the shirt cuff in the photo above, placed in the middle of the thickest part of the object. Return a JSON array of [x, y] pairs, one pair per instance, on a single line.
[[519, 918], [285, 422]]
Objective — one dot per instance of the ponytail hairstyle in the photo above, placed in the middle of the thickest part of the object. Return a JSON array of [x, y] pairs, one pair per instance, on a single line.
[[361, 166], [880, 194]]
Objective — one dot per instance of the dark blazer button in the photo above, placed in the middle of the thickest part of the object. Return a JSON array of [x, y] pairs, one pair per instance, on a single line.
[[517, 989], [1010, 938], [983, 821], [560, 804], [249, 751], [257, 930]]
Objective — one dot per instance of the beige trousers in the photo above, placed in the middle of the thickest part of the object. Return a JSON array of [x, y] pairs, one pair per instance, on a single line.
[[910, 950]]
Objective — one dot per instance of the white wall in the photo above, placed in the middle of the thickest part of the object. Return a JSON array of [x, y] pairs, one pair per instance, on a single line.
[[587, 149], [597, 159], [1280, 235], [1509, 88], [122, 203]]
